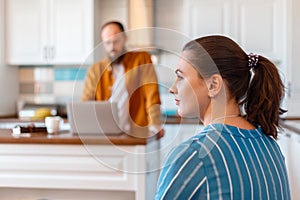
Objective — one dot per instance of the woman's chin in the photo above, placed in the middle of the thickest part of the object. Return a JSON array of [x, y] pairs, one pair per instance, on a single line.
[[179, 112], [186, 115]]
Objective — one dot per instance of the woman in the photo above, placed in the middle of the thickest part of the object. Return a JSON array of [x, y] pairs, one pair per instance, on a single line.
[[237, 98]]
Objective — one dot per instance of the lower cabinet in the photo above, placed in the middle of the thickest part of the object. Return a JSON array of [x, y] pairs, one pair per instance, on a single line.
[[289, 142], [77, 172]]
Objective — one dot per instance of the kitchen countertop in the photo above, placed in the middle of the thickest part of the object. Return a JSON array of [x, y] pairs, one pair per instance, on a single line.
[[165, 120], [69, 139], [65, 137]]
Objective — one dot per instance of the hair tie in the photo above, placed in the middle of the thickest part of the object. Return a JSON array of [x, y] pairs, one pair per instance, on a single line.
[[252, 60]]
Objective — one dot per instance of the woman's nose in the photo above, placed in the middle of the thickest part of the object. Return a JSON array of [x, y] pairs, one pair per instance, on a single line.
[[173, 89]]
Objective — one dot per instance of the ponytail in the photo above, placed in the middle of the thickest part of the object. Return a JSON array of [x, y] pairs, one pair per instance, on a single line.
[[264, 95]]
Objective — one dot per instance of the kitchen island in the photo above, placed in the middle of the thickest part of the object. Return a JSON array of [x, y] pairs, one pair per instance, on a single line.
[[64, 166]]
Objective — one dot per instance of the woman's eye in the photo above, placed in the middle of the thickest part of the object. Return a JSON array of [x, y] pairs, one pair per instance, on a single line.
[[178, 74]]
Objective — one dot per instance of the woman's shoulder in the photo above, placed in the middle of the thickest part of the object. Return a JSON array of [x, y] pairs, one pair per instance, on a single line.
[[219, 135], [192, 144], [214, 138]]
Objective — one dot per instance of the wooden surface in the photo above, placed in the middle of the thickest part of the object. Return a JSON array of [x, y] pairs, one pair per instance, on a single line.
[[68, 138]]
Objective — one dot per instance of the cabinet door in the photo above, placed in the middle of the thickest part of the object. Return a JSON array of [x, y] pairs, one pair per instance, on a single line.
[[257, 26], [293, 166], [71, 31], [26, 31], [289, 143], [209, 17], [260, 28], [49, 31], [293, 52]]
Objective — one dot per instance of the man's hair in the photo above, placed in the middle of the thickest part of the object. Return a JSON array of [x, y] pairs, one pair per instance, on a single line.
[[119, 24]]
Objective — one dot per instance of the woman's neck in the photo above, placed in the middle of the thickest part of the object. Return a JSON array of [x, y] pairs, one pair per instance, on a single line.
[[217, 113]]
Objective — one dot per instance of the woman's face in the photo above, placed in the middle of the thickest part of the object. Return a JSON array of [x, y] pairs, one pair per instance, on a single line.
[[190, 91]]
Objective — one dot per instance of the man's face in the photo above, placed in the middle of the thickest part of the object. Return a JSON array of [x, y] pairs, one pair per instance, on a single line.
[[114, 41]]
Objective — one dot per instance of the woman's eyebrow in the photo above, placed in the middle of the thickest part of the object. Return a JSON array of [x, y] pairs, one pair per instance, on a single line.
[[178, 71]]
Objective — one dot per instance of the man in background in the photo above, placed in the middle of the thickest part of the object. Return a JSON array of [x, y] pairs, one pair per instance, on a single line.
[[128, 78]]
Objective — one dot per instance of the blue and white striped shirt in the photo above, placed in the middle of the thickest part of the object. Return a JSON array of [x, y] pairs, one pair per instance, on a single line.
[[225, 162]]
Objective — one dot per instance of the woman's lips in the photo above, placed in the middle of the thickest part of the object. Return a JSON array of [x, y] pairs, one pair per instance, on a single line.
[[177, 102]]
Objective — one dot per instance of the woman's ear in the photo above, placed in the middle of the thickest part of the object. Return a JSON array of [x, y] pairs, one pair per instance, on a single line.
[[215, 83]]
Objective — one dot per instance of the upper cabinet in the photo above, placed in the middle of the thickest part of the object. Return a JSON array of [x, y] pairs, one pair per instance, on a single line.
[[258, 26], [266, 27], [49, 31]]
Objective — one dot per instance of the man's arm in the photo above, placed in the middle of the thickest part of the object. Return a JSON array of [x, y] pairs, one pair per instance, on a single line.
[[152, 97], [90, 85]]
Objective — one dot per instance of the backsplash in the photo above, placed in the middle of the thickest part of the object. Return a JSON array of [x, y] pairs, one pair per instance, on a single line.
[[51, 84], [58, 85]]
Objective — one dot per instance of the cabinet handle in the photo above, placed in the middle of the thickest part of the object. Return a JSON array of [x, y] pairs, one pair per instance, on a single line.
[[52, 52], [45, 53], [289, 89], [288, 135]]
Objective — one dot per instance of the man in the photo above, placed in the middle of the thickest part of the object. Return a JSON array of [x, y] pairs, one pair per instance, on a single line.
[[128, 78]]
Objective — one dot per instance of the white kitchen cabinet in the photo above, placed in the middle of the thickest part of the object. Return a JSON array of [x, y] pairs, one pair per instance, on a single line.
[[57, 171], [262, 27], [48, 31], [8, 75], [258, 26], [289, 142], [209, 17], [293, 51]]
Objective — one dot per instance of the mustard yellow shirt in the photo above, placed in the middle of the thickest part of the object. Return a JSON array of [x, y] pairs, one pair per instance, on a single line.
[[141, 84]]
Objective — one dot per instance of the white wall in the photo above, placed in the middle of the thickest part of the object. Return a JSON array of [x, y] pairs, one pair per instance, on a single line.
[[8, 74]]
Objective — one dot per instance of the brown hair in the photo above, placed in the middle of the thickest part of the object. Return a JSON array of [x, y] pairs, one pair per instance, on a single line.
[[260, 97]]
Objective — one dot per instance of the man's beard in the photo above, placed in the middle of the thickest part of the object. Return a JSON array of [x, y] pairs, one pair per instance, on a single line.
[[117, 59]]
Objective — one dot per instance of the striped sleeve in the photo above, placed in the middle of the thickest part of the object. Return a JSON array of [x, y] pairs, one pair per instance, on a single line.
[[182, 176]]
